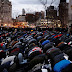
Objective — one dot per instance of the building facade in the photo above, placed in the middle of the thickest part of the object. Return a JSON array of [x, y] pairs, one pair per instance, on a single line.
[[21, 18], [5, 13], [20, 21], [70, 15], [62, 1], [63, 12], [51, 13], [39, 15]]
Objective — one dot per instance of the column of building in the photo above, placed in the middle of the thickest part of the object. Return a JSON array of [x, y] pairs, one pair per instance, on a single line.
[[63, 13], [5, 13]]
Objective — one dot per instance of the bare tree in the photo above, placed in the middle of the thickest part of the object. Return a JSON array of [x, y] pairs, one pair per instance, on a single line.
[[15, 14], [52, 2], [44, 3], [28, 10]]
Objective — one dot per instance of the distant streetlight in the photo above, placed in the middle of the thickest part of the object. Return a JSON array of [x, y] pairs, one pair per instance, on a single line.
[[5, 25]]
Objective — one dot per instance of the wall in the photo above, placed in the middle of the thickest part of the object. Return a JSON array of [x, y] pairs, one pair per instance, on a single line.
[[5, 12]]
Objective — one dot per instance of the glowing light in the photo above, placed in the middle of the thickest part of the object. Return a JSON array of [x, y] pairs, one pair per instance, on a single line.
[[5, 25], [59, 25]]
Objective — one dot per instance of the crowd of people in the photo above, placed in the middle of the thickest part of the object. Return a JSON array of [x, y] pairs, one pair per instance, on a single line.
[[29, 50]]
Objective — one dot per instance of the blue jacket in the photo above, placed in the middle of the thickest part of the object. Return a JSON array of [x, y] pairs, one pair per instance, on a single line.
[[45, 42], [60, 65]]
